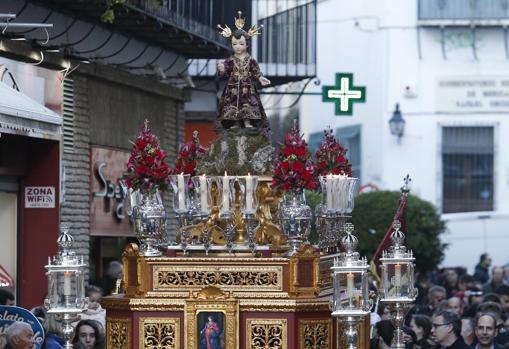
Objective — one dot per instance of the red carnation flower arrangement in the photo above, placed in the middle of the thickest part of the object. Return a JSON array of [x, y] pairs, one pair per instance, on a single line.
[[146, 169], [294, 168], [331, 157], [188, 154]]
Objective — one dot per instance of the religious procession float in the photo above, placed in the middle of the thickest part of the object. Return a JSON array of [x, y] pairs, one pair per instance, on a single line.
[[240, 272]]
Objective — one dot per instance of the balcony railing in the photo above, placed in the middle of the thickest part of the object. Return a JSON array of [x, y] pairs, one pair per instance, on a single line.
[[287, 49], [467, 12], [195, 16]]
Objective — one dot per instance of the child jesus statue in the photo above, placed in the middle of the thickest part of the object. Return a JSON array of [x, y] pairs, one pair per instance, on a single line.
[[240, 103]]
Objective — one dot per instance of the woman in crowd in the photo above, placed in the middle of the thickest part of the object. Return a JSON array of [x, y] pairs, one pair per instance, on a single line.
[[421, 325], [53, 333], [88, 335]]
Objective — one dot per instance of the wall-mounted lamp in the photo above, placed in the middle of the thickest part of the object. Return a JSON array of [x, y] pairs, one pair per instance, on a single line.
[[397, 123]]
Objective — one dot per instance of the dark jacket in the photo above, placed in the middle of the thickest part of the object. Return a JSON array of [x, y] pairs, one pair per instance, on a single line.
[[458, 344], [481, 273]]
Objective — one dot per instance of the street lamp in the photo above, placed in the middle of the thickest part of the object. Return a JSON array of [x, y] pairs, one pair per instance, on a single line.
[[398, 289], [66, 284], [350, 301], [397, 124]]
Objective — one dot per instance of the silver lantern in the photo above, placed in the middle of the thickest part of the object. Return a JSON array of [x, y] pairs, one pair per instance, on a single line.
[[66, 284], [351, 302], [398, 287]]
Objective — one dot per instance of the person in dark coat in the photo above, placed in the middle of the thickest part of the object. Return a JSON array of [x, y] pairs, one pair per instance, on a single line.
[[446, 331], [481, 273]]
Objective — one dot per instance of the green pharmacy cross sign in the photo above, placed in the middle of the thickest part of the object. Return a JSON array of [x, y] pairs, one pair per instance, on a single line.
[[344, 94]]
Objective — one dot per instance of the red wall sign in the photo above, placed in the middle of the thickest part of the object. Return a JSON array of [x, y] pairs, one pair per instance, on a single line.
[[108, 215]]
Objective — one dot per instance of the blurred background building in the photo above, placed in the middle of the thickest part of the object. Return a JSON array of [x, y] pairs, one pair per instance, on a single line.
[[445, 64], [79, 91]]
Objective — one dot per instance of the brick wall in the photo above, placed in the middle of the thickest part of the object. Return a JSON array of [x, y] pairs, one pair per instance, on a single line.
[[93, 113], [75, 209]]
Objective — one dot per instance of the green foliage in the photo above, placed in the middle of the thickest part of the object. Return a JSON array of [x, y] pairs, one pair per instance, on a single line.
[[373, 214], [239, 152], [108, 15]]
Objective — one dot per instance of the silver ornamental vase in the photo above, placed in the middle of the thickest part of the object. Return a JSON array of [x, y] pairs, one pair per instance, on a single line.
[[295, 218], [149, 219]]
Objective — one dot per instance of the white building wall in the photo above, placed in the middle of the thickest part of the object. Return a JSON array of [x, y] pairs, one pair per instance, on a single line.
[[378, 41]]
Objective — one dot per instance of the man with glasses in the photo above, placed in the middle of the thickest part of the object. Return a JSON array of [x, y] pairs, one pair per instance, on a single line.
[[486, 331], [446, 331]]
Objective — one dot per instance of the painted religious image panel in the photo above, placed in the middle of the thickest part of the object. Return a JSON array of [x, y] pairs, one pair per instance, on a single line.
[[210, 329]]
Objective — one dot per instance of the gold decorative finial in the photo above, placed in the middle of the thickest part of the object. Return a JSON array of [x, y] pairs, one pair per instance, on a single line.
[[239, 24], [225, 31], [239, 21], [254, 30]]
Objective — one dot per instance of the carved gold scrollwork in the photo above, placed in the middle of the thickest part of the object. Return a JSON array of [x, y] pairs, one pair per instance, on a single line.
[[232, 278], [160, 333], [266, 334], [118, 333], [315, 334]]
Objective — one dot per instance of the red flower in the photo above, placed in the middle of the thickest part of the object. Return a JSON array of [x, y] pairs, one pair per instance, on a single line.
[[294, 168], [297, 166], [301, 151], [188, 154], [331, 157], [146, 168]]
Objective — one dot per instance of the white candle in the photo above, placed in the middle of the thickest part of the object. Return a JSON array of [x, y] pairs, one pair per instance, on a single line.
[[349, 286], [67, 284], [397, 275], [328, 186], [181, 191], [249, 193], [203, 193], [226, 193], [342, 185]]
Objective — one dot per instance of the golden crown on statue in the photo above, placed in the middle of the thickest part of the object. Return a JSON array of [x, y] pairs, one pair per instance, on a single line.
[[239, 23]]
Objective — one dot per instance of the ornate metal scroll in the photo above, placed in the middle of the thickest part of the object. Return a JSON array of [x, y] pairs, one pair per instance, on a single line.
[[266, 334], [159, 333], [118, 333], [315, 334]]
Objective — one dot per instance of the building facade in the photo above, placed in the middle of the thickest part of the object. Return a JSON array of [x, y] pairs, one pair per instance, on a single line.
[[116, 64], [445, 64]]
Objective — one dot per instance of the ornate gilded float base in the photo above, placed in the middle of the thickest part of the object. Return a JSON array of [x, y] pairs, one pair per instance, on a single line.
[[241, 302]]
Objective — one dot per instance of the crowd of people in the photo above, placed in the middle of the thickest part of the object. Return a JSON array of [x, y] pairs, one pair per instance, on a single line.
[[454, 310], [89, 326]]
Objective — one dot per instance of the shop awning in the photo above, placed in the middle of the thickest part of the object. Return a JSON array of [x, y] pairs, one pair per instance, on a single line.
[[20, 114], [6, 279]]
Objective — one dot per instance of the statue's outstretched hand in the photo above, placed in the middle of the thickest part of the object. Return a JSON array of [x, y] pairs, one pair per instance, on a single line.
[[220, 66], [264, 81]]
